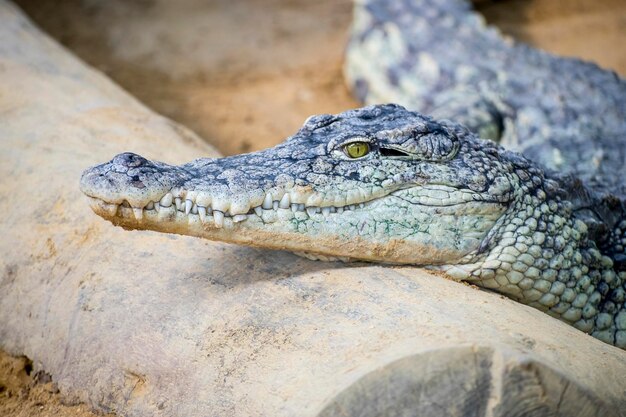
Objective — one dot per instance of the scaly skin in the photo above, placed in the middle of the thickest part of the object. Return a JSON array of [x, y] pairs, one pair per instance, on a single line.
[[438, 57], [549, 231], [428, 193]]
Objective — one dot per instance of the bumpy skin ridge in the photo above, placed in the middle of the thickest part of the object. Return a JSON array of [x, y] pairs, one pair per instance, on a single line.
[[547, 228]]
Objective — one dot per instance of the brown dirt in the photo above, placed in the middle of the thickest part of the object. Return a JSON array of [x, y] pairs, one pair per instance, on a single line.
[[25, 393], [244, 75], [588, 29]]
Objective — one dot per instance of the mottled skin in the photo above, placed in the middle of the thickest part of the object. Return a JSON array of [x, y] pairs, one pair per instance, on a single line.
[[428, 192], [438, 57]]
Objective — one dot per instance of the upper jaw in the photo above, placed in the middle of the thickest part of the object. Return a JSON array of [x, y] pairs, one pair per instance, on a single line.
[[214, 189], [223, 191]]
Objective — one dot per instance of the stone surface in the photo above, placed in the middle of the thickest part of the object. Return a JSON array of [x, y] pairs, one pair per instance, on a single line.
[[154, 325]]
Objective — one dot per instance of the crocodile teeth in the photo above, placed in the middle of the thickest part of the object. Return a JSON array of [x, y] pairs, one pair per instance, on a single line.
[[138, 212], [239, 218], [218, 218], [267, 203], [202, 213], [150, 206], [238, 209], [166, 200], [284, 202]]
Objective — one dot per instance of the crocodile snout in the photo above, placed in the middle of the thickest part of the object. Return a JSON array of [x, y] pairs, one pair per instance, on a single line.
[[130, 178]]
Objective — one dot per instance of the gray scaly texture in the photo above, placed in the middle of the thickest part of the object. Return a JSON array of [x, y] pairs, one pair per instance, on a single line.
[[439, 57], [547, 228]]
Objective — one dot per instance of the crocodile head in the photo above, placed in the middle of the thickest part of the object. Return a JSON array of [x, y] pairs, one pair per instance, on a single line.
[[379, 183]]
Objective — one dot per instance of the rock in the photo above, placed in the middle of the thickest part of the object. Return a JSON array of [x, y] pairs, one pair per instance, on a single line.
[[145, 324]]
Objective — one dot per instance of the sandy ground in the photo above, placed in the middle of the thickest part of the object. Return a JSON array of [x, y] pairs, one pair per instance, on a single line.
[[24, 393], [244, 75]]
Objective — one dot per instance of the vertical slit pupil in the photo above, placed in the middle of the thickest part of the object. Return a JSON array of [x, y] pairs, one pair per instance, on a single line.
[[357, 149]]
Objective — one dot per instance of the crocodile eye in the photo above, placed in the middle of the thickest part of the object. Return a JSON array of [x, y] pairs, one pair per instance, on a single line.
[[357, 149]]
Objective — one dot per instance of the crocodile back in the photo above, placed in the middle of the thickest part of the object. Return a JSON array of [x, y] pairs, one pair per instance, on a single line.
[[439, 57]]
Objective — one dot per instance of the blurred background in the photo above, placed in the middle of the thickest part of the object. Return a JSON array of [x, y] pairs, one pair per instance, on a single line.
[[245, 74]]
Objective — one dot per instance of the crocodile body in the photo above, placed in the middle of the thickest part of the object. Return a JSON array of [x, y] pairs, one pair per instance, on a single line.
[[543, 223]]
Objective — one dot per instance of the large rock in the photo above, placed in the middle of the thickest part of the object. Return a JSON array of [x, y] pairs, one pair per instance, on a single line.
[[155, 325]]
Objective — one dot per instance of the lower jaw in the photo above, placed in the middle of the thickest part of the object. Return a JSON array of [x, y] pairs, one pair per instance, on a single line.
[[278, 229]]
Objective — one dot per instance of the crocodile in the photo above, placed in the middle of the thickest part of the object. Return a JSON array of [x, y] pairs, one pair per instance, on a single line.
[[534, 210]]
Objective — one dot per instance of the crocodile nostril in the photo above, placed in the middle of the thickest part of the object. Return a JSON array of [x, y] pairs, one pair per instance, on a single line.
[[136, 182]]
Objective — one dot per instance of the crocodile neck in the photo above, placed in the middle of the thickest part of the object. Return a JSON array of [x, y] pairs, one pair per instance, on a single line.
[[542, 255]]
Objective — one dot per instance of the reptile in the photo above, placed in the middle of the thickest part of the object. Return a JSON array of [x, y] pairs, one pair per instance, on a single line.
[[534, 210]]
